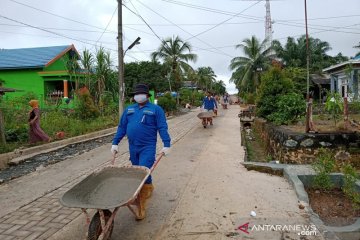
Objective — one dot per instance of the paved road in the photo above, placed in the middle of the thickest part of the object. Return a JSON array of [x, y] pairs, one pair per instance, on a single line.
[[201, 192]]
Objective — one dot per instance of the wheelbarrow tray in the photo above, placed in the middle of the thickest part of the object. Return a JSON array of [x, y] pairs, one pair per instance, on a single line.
[[108, 188], [205, 115]]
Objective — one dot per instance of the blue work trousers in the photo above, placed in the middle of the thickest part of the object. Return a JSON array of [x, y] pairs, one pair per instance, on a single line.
[[143, 156]]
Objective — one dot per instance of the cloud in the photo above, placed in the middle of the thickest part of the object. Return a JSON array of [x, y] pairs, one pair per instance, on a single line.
[[230, 87]]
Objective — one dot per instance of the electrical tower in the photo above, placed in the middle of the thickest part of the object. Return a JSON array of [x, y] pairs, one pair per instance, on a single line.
[[268, 25]]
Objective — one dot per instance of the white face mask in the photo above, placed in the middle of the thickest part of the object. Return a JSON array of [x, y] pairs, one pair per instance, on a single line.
[[140, 98]]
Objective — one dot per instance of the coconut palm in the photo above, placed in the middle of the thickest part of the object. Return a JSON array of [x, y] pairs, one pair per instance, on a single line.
[[206, 78], [175, 53], [248, 68], [219, 87]]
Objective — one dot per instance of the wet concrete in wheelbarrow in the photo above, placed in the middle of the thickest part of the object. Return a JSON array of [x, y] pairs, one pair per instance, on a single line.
[[109, 188], [42, 160]]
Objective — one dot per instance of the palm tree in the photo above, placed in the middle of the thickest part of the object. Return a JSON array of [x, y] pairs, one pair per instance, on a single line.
[[248, 68], [87, 61], [220, 87], [207, 78], [175, 53], [103, 72], [293, 53]]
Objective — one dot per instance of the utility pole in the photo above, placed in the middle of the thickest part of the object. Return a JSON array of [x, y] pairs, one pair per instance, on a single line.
[[120, 60], [308, 107]]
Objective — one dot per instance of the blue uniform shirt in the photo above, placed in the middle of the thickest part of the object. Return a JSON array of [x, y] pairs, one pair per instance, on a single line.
[[142, 124], [209, 104]]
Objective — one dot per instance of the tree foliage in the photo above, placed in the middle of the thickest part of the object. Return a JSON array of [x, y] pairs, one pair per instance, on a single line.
[[167, 102], [289, 108], [274, 84], [293, 53], [176, 55], [248, 68], [206, 78], [151, 73], [334, 106], [298, 76]]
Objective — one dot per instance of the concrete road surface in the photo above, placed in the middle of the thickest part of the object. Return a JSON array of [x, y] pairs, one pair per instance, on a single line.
[[202, 192]]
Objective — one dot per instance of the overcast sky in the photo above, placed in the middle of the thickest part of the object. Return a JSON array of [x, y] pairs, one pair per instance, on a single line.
[[213, 27]]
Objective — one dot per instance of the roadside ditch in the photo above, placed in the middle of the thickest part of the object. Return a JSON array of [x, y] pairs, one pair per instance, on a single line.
[[42, 160]]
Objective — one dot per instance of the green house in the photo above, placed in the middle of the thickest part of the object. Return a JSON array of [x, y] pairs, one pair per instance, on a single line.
[[52, 73]]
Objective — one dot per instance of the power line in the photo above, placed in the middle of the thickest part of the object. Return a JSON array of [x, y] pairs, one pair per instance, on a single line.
[[61, 29], [38, 28], [221, 52], [58, 34], [56, 15], [249, 16], [209, 29], [322, 18], [326, 30], [334, 29], [107, 25], [144, 22], [189, 24]]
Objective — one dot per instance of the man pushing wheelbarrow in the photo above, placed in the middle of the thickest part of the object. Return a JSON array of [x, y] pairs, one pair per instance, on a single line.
[[141, 122], [209, 106]]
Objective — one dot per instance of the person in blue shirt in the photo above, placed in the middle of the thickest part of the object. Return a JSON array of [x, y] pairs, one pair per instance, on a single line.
[[141, 122], [209, 105]]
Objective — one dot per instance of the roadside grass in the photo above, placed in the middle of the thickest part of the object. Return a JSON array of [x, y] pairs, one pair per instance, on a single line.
[[53, 122]]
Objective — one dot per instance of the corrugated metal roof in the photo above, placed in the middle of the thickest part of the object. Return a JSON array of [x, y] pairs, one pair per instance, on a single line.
[[29, 57]]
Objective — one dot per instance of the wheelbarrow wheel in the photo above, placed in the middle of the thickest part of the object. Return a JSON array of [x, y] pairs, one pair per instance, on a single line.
[[95, 226]]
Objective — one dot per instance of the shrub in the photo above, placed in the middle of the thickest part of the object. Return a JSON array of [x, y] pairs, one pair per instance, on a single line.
[[18, 134], [107, 104], [289, 108], [167, 102], [191, 96], [198, 98], [186, 96], [323, 166], [350, 178], [273, 85], [249, 98], [334, 106], [86, 108]]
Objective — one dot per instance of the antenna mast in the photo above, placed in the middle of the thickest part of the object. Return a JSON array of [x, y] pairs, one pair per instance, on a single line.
[[268, 24]]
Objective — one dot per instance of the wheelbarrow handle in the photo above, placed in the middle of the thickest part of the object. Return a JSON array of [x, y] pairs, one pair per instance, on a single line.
[[113, 159], [153, 166], [156, 161]]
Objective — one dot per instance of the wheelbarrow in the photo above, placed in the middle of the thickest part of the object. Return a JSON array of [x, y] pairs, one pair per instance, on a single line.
[[205, 117], [109, 188]]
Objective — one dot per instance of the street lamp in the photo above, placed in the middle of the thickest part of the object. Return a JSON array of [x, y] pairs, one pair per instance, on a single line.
[[136, 42], [121, 74]]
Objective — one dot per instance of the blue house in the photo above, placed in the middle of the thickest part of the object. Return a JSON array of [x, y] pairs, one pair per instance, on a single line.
[[344, 78]]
